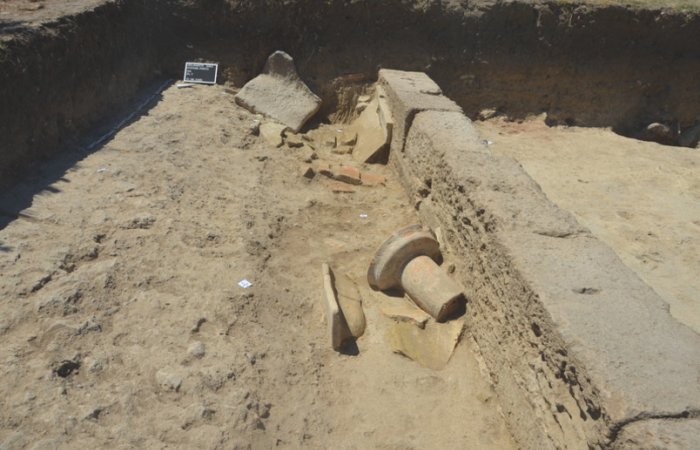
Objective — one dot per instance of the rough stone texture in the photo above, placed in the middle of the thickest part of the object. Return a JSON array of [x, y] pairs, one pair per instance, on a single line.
[[338, 330], [168, 380], [408, 93], [431, 346], [659, 434], [350, 303], [402, 310], [279, 93], [386, 118], [272, 133], [372, 146], [577, 344]]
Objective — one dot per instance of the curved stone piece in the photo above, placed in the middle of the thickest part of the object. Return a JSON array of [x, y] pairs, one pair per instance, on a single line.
[[338, 330], [279, 93], [393, 255], [350, 303]]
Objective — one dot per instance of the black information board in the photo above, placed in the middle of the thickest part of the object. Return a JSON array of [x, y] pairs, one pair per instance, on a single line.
[[200, 73]]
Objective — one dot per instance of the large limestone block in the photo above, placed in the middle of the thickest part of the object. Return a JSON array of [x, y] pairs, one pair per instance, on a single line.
[[614, 335], [407, 94], [279, 93]]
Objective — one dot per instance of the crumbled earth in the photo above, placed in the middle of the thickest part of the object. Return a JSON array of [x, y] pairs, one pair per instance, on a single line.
[[123, 323], [640, 198]]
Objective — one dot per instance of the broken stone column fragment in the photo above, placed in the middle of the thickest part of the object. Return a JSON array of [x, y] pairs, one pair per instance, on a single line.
[[407, 261], [279, 93]]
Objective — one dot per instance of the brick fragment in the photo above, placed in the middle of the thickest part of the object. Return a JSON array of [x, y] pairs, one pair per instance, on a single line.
[[347, 174], [371, 179], [342, 188]]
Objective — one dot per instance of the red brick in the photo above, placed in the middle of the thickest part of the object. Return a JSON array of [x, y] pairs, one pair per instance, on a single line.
[[341, 188], [347, 174], [371, 179]]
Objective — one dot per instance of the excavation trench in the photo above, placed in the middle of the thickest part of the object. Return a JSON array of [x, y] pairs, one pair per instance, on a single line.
[[581, 65], [69, 82]]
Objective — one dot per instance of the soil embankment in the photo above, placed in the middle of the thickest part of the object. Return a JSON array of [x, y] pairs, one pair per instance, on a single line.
[[63, 76], [587, 65]]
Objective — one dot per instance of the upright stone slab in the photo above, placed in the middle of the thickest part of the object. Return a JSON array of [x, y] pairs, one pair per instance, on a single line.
[[279, 93], [338, 330]]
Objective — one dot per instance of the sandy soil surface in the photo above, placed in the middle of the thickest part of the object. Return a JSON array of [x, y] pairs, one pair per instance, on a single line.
[[123, 324], [641, 198], [17, 15]]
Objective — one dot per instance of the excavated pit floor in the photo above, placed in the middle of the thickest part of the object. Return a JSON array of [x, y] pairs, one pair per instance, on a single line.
[[131, 260]]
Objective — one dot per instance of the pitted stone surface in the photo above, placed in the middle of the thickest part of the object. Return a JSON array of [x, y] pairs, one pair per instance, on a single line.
[[409, 93], [622, 333], [279, 93], [583, 332]]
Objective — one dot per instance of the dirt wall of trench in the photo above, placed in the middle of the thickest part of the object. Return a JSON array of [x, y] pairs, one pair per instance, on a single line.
[[584, 65], [60, 80]]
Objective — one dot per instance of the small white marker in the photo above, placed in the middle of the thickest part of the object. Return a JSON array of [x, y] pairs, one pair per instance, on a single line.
[[364, 216], [245, 284]]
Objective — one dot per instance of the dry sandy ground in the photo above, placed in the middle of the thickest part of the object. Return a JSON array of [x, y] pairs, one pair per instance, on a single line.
[[641, 198], [122, 324], [19, 14]]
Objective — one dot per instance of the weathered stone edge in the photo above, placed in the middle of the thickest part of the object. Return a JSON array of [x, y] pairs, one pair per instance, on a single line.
[[549, 396]]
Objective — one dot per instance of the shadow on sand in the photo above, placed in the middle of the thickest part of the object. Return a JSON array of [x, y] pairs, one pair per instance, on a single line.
[[44, 178]]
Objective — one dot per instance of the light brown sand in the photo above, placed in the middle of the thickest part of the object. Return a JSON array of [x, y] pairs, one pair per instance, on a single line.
[[115, 265]]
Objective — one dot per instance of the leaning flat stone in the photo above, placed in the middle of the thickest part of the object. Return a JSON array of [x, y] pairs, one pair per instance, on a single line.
[[279, 93], [350, 303], [337, 327], [372, 144], [431, 347]]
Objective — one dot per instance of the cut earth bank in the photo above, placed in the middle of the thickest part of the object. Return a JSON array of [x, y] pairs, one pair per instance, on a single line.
[[618, 432], [582, 63]]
